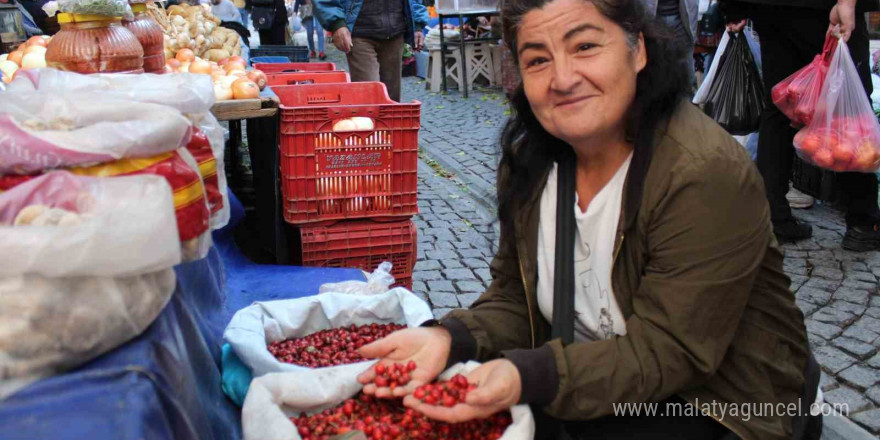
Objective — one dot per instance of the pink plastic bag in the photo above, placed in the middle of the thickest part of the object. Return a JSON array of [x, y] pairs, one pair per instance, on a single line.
[[797, 95], [844, 134]]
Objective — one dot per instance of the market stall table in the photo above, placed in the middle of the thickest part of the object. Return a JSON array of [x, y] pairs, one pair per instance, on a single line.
[[166, 383], [460, 15]]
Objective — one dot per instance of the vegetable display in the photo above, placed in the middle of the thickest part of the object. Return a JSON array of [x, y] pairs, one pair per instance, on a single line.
[[331, 347], [30, 55], [194, 28]]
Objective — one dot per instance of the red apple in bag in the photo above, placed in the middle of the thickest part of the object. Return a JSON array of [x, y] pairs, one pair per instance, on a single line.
[[823, 158]]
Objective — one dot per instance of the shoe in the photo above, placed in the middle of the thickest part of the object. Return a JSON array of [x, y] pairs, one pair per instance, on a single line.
[[861, 238], [799, 200], [312, 54], [792, 230], [322, 56]]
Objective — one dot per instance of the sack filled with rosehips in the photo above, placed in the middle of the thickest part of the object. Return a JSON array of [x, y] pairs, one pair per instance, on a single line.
[[315, 340], [275, 411]]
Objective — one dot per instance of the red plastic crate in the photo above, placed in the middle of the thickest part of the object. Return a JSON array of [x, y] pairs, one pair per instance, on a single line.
[[300, 78], [327, 175], [362, 244], [268, 68]]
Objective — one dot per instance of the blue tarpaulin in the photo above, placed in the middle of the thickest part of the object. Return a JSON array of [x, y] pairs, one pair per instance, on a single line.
[[166, 383]]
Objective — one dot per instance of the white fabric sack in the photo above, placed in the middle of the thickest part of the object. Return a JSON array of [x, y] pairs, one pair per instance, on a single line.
[[261, 323], [190, 94], [377, 282], [273, 399], [69, 293], [703, 92]]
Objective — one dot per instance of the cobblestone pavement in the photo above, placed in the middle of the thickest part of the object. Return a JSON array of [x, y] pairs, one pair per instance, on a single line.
[[837, 290]]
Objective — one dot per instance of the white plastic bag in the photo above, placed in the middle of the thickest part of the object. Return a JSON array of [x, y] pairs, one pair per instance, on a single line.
[[378, 282], [190, 94], [703, 92], [272, 400], [69, 293], [40, 133], [261, 323]]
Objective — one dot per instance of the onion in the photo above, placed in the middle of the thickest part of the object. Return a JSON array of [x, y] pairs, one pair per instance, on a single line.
[[228, 80], [223, 62], [258, 77], [184, 67], [222, 92], [37, 41], [15, 57], [35, 49], [200, 66], [237, 72], [8, 68], [173, 63], [3, 57], [33, 60], [234, 65], [245, 89], [185, 55], [362, 123], [237, 59], [344, 125]]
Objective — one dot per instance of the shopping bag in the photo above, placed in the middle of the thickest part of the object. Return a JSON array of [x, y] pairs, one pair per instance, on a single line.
[[273, 399], [703, 92], [797, 95], [844, 134], [85, 265], [736, 96]]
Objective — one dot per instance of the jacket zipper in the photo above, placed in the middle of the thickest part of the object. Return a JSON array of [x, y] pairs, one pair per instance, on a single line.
[[528, 300]]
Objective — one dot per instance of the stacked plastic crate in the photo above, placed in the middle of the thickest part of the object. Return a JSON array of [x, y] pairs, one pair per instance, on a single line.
[[349, 181]]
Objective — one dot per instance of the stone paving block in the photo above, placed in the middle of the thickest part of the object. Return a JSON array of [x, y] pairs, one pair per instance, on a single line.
[[816, 341], [441, 312], [443, 299], [869, 419], [860, 377], [874, 394], [862, 334], [830, 315], [826, 331], [851, 266], [427, 265], [875, 301], [422, 295], [832, 359], [793, 253], [444, 245], [484, 274], [420, 255], [854, 347], [827, 383], [856, 284], [854, 296], [441, 286], [847, 396], [440, 224], [810, 295], [855, 309], [875, 361], [466, 299], [873, 312], [825, 264], [470, 286], [796, 271], [807, 308], [459, 274], [861, 276], [428, 275], [827, 285], [799, 279], [470, 253], [794, 262], [821, 255], [424, 238], [451, 264], [442, 255], [476, 263], [419, 286]]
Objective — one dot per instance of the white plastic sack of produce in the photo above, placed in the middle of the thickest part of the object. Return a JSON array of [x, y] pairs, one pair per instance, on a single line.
[[85, 265], [80, 128], [273, 399], [261, 323], [377, 282]]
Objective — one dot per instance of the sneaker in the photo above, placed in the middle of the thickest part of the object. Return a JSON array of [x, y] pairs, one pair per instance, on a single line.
[[312, 54], [799, 200], [792, 230], [322, 56], [861, 238]]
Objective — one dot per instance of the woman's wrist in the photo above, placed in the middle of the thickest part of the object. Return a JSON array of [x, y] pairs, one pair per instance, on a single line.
[[539, 377]]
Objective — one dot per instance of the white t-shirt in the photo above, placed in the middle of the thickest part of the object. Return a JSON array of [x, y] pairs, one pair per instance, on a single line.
[[597, 315]]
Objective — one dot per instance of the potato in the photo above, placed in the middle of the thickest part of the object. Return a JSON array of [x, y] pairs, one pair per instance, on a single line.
[[216, 55]]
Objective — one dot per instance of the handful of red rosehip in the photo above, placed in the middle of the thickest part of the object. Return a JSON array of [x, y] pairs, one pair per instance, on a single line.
[[394, 375], [447, 393], [327, 348]]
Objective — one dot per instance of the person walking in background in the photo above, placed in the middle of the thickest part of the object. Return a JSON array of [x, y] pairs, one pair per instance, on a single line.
[[269, 19], [306, 10], [372, 33], [225, 10], [791, 33], [242, 11], [681, 16]]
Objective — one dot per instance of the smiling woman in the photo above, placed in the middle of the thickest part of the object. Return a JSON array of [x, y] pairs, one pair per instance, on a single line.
[[637, 262]]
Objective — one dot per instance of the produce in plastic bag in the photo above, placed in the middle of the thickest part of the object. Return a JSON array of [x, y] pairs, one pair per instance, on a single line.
[[70, 292], [844, 134], [253, 328], [272, 398], [109, 8], [378, 282], [735, 98], [38, 133], [797, 95], [192, 95]]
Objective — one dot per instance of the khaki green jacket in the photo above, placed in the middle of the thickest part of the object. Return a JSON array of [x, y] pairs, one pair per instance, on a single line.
[[698, 276]]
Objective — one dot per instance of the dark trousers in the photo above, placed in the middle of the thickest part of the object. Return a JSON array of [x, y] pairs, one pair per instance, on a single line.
[[274, 35], [790, 38], [377, 60], [658, 427]]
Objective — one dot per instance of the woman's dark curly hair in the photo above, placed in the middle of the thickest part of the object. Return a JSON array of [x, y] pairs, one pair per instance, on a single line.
[[528, 150]]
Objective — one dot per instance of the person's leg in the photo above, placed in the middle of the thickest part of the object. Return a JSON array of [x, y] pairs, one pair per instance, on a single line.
[[860, 189], [390, 54], [790, 38], [309, 24], [319, 31], [244, 17], [674, 22], [363, 61]]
